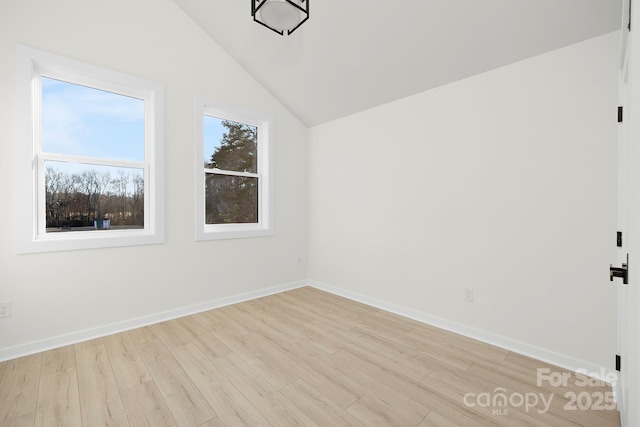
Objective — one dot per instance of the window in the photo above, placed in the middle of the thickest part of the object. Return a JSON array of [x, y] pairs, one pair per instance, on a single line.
[[89, 163], [233, 183]]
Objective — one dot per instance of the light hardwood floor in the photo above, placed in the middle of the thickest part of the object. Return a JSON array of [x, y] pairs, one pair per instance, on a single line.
[[302, 357]]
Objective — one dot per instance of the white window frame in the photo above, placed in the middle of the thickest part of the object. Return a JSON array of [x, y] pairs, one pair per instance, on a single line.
[[29, 172], [263, 123]]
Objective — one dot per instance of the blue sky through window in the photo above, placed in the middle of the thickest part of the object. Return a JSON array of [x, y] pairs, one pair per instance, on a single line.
[[213, 131], [82, 121]]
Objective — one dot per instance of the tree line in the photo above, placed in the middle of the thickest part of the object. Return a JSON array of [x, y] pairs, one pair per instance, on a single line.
[[77, 199]]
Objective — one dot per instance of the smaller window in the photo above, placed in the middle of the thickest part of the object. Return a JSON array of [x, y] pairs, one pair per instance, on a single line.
[[233, 184]]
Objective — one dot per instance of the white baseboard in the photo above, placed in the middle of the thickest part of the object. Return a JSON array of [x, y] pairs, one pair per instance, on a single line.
[[88, 334], [509, 344]]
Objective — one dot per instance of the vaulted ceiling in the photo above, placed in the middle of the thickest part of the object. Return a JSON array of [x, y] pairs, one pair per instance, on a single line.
[[353, 55]]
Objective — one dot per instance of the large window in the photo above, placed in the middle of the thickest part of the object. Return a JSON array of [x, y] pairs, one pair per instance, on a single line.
[[233, 185], [89, 155]]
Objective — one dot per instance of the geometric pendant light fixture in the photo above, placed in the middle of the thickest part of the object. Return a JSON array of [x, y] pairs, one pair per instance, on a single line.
[[280, 15]]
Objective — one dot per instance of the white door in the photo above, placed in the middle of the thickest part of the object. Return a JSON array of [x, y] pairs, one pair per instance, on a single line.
[[629, 219]]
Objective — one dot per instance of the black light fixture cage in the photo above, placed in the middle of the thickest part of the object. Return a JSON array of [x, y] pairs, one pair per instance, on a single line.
[[304, 8]]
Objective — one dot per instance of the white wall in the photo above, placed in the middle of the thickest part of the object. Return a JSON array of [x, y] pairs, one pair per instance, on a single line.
[[504, 182], [56, 294]]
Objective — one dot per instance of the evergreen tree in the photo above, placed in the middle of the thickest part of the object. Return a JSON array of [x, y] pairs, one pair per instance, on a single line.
[[233, 199], [238, 148]]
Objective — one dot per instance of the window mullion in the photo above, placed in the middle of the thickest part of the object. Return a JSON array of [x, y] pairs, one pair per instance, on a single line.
[[230, 173], [92, 161], [39, 192], [41, 195]]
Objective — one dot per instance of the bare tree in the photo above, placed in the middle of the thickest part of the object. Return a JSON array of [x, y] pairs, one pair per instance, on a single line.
[[78, 199], [138, 199], [120, 185]]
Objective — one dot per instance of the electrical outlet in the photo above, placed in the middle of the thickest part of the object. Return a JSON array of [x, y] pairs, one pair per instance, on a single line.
[[5, 309], [468, 294]]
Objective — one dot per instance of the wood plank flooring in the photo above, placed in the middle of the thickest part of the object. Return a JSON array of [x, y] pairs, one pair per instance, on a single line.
[[299, 358]]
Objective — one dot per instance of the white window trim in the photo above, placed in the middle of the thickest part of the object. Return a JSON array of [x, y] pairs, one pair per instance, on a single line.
[[29, 231], [263, 123]]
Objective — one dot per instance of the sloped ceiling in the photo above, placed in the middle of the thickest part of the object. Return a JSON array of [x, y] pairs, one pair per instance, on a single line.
[[353, 55]]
